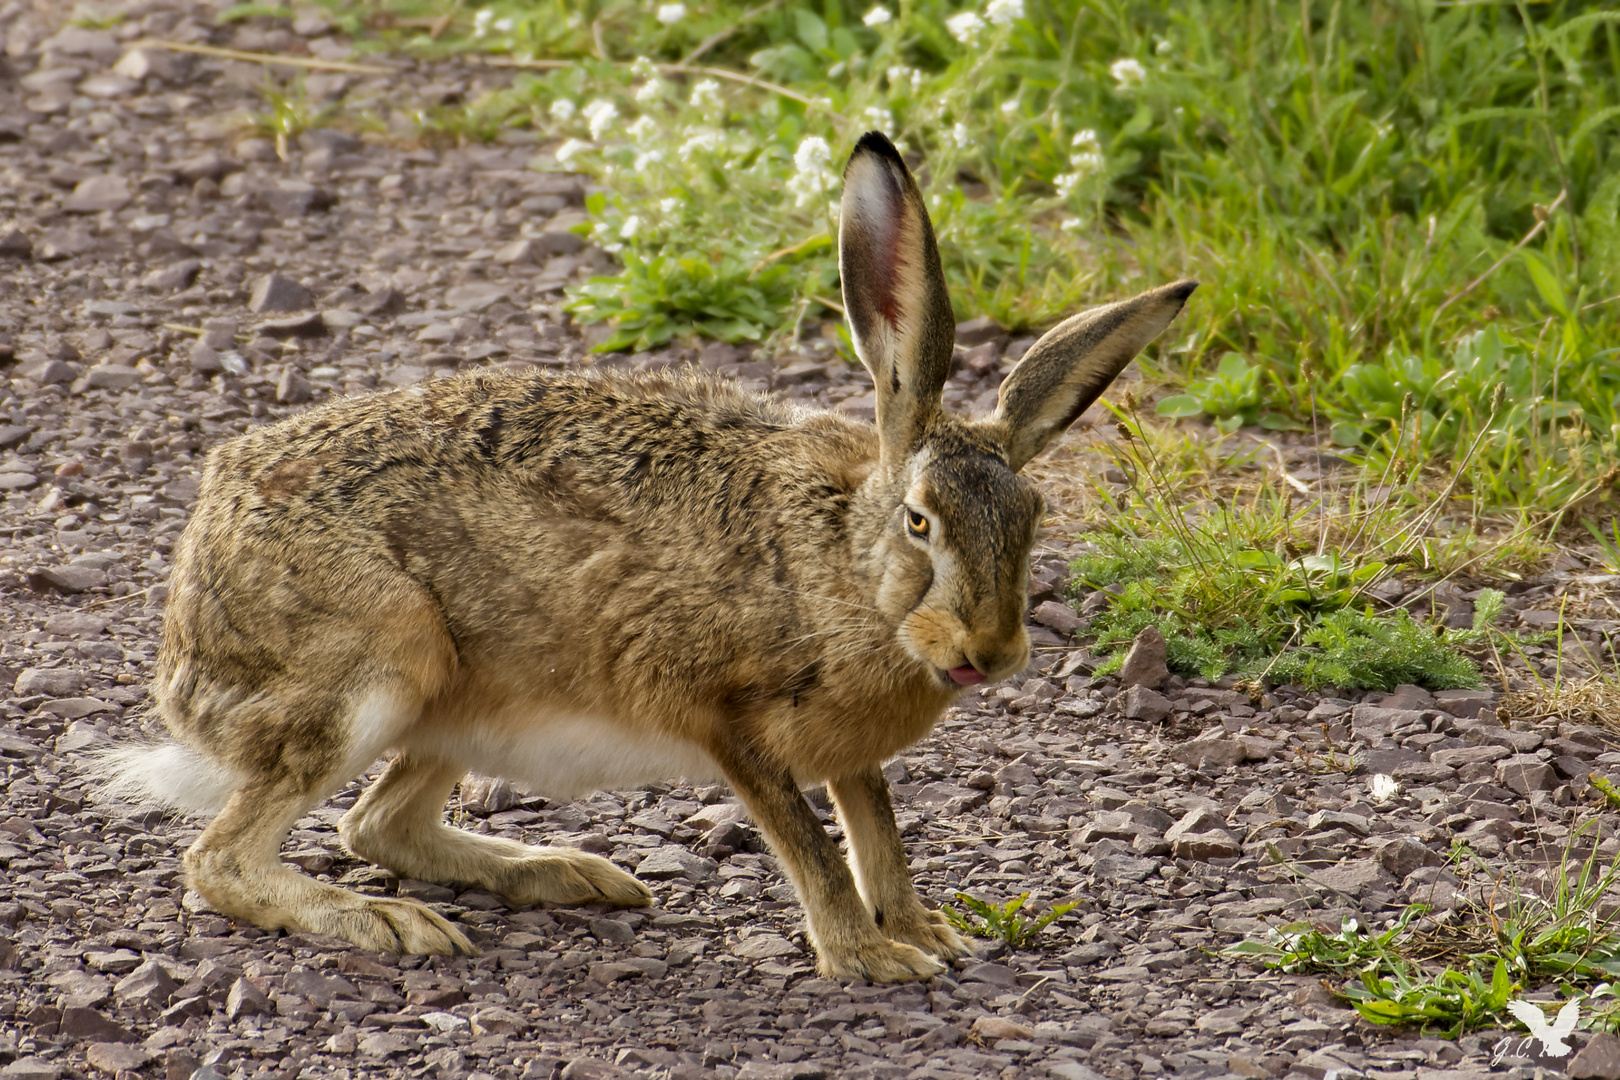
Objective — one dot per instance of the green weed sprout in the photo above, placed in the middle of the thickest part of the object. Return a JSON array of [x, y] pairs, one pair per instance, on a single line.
[[1002, 920]]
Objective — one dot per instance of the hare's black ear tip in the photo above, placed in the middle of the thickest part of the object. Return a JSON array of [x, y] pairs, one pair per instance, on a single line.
[[1182, 289], [875, 142]]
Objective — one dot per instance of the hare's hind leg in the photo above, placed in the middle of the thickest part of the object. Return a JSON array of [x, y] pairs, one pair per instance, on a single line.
[[878, 857], [399, 823], [236, 864]]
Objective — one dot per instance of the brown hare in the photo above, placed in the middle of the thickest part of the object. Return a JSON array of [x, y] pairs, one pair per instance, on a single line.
[[586, 582]]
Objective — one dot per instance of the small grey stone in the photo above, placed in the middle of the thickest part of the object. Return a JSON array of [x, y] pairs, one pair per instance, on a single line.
[[1372, 722], [64, 243], [31, 1068], [117, 1057], [173, 277], [1353, 876], [1146, 663], [97, 194], [1458, 756], [1217, 752], [488, 794], [1599, 1059], [1525, 773], [977, 331], [112, 377], [55, 682], [1201, 835], [1405, 854], [15, 244], [293, 388], [1056, 616], [385, 301], [51, 372], [477, 296], [765, 947], [209, 165], [518, 251], [205, 359], [1140, 703], [305, 324], [673, 862], [67, 579], [276, 293]]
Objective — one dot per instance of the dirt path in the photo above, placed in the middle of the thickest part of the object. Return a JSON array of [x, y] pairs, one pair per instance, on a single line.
[[167, 282]]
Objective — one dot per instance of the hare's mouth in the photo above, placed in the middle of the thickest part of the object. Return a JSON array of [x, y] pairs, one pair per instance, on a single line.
[[966, 675]]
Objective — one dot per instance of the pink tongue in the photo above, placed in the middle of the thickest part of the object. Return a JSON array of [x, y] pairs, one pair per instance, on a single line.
[[967, 675]]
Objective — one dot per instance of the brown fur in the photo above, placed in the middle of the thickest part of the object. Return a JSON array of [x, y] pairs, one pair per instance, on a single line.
[[491, 564]]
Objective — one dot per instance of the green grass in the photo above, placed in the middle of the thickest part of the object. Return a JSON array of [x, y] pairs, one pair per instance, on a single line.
[[1002, 921], [1458, 975], [1394, 204]]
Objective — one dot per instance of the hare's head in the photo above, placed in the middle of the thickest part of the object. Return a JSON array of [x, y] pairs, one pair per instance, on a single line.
[[954, 520]]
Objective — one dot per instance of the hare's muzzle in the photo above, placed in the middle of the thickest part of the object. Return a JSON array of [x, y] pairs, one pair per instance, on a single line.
[[966, 675]]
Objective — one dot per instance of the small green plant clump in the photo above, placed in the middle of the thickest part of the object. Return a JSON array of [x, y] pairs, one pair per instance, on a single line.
[[1002, 921], [1226, 604], [1459, 974]]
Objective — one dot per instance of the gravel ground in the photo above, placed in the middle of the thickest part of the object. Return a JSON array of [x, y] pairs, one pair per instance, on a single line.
[[169, 282]]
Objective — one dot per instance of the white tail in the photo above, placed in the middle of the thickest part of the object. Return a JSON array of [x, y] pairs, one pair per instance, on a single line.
[[169, 773]]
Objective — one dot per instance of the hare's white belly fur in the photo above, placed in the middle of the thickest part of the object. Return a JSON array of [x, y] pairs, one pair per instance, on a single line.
[[562, 756]]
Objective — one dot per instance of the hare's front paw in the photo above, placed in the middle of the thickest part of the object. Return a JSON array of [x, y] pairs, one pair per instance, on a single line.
[[880, 960], [565, 876], [930, 931], [389, 925]]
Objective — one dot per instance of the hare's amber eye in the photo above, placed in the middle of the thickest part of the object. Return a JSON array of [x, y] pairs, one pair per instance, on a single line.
[[916, 524]]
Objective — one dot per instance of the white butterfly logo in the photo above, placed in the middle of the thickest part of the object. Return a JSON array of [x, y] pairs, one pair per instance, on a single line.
[[1551, 1036]]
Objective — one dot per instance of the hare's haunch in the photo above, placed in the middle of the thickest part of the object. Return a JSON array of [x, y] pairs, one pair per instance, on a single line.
[[587, 582]]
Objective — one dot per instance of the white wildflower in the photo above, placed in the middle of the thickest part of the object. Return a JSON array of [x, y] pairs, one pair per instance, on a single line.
[[703, 139], [1066, 183], [563, 109], [670, 14], [566, 152], [1163, 48], [505, 25], [878, 16], [705, 94], [881, 119], [650, 91], [648, 157], [481, 22], [900, 75], [600, 115], [1086, 140], [1069, 224], [813, 155], [643, 127], [965, 26], [669, 205], [643, 68], [1127, 72], [812, 163], [1004, 12], [1009, 107], [961, 136], [1383, 788], [630, 227], [1086, 164]]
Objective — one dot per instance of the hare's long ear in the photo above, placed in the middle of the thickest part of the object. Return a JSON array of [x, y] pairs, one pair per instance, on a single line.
[[894, 292], [1065, 370]]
